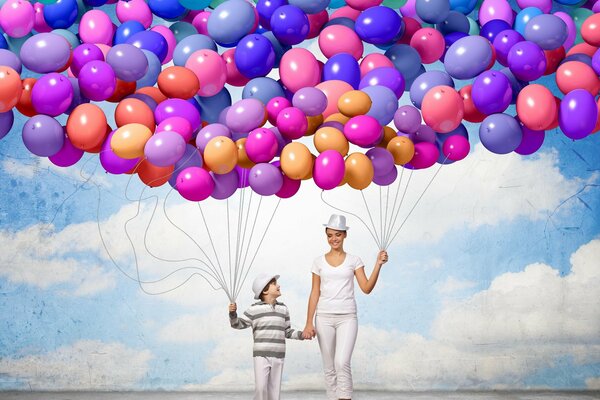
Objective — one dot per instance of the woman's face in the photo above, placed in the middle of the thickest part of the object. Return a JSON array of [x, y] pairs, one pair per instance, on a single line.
[[335, 238]]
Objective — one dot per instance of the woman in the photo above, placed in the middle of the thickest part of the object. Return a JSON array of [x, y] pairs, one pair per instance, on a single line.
[[332, 299]]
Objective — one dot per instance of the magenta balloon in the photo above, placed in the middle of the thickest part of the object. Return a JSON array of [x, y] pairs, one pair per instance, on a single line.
[[111, 162], [274, 107], [531, 141], [261, 145], [97, 80], [456, 147], [329, 169], [245, 115], [577, 114], [195, 184], [426, 154], [178, 125], [225, 184], [407, 119], [292, 123], [289, 188], [363, 130], [178, 108], [164, 149], [265, 179], [68, 155], [382, 160], [211, 131], [52, 94]]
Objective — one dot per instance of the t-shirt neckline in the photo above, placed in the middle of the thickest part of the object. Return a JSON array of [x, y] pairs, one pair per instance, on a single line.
[[331, 266]]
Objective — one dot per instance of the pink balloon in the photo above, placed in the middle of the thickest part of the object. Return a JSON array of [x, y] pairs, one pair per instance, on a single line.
[[234, 76], [169, 37], [544, 5], [571, 29], [17, 18], [345, 12], [189, 17], [333, 90], [137, 10], [292, 123], [363, 130], [409, 9], [426, 154], [200, 22], [429, 43], [96, 27], [39, 23], [289, 188], [363, 4], [274, 107], [456, 147], [328, 170], [340, 39], [261, 145], [496, 9], [442, 108], [372, 61], [211, 70], [299, 68], [178, 125], [195, 184], [104, 48]]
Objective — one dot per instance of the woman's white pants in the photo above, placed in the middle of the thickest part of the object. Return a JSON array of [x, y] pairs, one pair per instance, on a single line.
[[267, 378], [336, 334]]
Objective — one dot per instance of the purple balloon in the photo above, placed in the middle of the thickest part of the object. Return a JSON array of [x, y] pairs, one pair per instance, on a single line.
[[468, 57], [281, 140], [211, 131], [43, 135], [10, 59], [97, 80], [225, 184], [310, 100], [6, 122], [577, 114], [424, 134], [387, 179], [243, 177], [384, 103], [527, 61], [424, 82], [178, 108], [407, 119], [45, 52], [531, 142], [503, 43], [151, 41], [289, 25], [129, 62], [191, 158], [384, 76], [500, 133], [382, 160], [112, 163], [245, 115], [83, 54], [52, 94], [491, 92], [492, 28], [342, 67], [596, 62], [265, 179], [77, 97], [378, 25], [68, 155], [165, 148], [547, 31], [265, 9]]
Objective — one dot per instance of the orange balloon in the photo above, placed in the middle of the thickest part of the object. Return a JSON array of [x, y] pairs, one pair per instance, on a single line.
[[11, 88], [152, 175], [129, 140], [590, 30], [359, 171], [178, 82], [24, 106], [328, 138], [134, 111], [310, 171], [313, 124], [86, 126], [337, 117], [388, 134], [243, 160], [442, 108], [153, 92], [333, 90], [296, 161], [576, 75], [402, 149], [122, 90], [536, 107], [221, 155], [471, 114], [98, 149], [354, 102]]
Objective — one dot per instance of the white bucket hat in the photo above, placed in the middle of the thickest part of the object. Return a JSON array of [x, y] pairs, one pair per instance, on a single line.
[[260, 282], [337, 222]]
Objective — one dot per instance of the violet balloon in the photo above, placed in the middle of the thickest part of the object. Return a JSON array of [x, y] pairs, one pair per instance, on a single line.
[[245, 115], [491, 92], [468, 57], [225, 184], [209, 132], [503, 43], [531, 142], [265, 179], [500, 133], [310, 100], [547, 31], [164, 149], [384, 76], [43, 135], [52, 94], [97, 80], [45, 52], [128, 62], [329, 169], [178, 108], [407, 119], [382, 160], [112, 163], [527, 61], [387, 179], [384, 104], [578, 114]]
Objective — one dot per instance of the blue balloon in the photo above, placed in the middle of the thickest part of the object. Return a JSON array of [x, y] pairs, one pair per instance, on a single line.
[[95, 3], [266, 8], [337, 3], [406, 60], [154, 68], [547, 31], [181, 30], [492, 28], [61, 14], [432, 11], [279, 48], [584, 58], [342, 67], [231, 21], [384, 103], [500, 133], [263, 89], [523, 17], [3, 42], [378, 25], [254, 56], [347, 22], [410, 81], [211, 107], [151, 41], [187, 46], [454, 22], [290, 25], [310, 6], [424, 82], [463, 6], [126, 30], [167, 9]]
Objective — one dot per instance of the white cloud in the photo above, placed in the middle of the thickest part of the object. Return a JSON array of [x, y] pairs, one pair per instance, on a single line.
[[85, 365], [452, 285]]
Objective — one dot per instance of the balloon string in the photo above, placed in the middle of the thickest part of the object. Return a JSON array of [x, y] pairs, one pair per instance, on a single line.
[[399, 208], [228, 240], [248, 213], [377, 240], [380, 217], [243, 263], [398, 184]]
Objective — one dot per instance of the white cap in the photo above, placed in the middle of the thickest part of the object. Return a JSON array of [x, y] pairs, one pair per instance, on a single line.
[[337, 222], [260, 282]]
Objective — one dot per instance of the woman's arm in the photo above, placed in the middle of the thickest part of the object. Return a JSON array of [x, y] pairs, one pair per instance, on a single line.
[[313, 299], [367, 285]]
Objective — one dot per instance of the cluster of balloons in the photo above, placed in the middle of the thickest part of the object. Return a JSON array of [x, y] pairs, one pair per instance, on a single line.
[[176, 121]]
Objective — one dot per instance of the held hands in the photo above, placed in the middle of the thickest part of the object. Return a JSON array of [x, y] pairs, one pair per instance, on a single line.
[[309, 332], [382, 257], [232, 307]]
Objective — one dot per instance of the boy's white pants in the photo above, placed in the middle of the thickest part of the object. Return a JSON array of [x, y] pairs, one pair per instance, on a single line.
[[267, 377], [337, 335]]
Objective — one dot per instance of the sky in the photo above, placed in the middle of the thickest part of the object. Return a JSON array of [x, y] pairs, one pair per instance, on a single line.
[[493, 281]]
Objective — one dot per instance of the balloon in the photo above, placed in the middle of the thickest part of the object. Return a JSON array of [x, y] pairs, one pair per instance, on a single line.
[[500, 133], [424, 82], [406, 60], [289, 188], [16, 18], [129, 140], [544, 5], [152, 175], [128, 62], [6, 122], [335, 39], [167, 9], [274, 107], [178, 82], [424, 134], [134, 10], [52, 94], [491, 92], [384, 76], [182, 29], [134, 111], [531, 141], [432, 11], [328, 171], [442, 108], [578, 114], [429, 43], [209, 132], [316, 23], [234, 76], [43, 135], [266, 8], [468, 57], [426, 154], [359, 171], [503, 43], [495, 9], [211, 106], [456, 147], [296, 160], [10, 59], [384, 103], [382, 160], [220, 154], [387, 179], [311, 101], [536, 107], [471, 113], [571, 28], [243, 160], [333, 90], [547, 31], [289, 25], [526, 61], [262, 89], [97, 80], [83, 54], [154, 68], [342, 67], [189, 45], [61, 14], [96, 27], [261, 145], [354, 102], [328, 138], [292, 123], [151, 41], [126, 30], [225, 184], [45, 52], [10, 88], [407, 119], [373, 61], [246, 115], [210, 69], [576, 75], [378, 25], [111, 162], [195, 184], [363, 131], [402, 149], [86, 126], [295, 77], [492, 28], [231, 21], [254, 56], [454, 22], [265, 179], [178, 108], [164, 148], [67, 156]]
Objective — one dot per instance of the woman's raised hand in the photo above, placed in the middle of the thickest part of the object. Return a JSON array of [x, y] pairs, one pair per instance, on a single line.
[[382, 257]]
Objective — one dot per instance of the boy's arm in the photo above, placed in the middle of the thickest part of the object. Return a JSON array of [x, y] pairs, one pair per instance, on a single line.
[[240, 322], [289, 332]]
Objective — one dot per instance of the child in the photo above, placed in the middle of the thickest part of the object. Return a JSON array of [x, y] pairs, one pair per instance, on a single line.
[[270, 322]]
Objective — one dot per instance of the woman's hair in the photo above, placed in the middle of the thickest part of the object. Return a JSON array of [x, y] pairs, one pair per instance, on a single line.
[[337, 230], [262, 292]]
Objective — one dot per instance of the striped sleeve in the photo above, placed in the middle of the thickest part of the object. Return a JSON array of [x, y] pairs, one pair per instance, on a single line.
[[289, 332], [240, 322]]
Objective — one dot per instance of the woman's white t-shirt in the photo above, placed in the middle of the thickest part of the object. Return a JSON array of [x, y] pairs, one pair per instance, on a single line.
[[337, 285]]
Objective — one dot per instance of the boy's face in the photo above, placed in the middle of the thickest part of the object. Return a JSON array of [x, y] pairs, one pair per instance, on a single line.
[[273, 290]]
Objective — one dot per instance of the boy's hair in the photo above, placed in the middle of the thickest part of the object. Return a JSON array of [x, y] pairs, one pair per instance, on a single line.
[[262, 292]]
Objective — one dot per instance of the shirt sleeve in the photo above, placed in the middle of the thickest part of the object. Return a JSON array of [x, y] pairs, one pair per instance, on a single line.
[[316, 269], [240, 322], [289, 332], [358, 263]]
